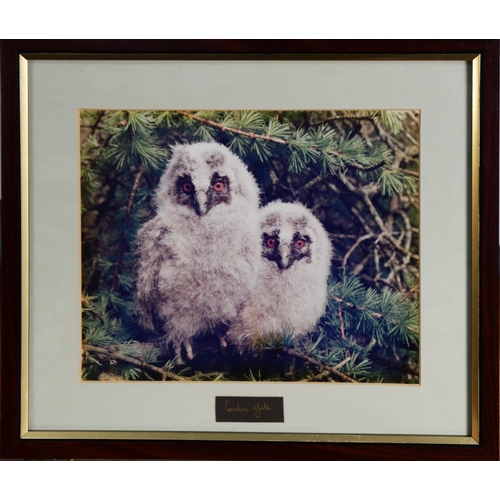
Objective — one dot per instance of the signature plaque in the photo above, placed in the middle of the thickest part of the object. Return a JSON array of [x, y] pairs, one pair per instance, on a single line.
[[249, 409]]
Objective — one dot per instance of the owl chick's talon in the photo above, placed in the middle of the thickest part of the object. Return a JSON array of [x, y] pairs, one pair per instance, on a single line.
[[189, 349], [178, 360]]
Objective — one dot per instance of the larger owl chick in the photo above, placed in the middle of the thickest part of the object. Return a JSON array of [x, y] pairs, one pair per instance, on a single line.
[[197, 258], [291, 290]]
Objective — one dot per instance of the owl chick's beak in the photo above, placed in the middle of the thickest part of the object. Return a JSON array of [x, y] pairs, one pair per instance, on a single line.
[[201, 203], [284, 258]]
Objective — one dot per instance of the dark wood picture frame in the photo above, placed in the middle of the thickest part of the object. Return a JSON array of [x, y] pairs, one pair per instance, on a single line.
[[11, 444]]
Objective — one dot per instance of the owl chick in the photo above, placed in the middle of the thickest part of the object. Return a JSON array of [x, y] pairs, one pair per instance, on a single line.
[[291, 290], [197, 258]]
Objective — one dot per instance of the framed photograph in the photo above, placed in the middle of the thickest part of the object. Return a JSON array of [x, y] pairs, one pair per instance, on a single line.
[[289, 248], [250, 245]]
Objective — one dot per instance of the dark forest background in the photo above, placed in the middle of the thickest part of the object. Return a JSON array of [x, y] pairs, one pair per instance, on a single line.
[[357, 170]]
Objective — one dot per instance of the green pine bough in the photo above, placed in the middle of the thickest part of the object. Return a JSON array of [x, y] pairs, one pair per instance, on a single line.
[[358, 171]]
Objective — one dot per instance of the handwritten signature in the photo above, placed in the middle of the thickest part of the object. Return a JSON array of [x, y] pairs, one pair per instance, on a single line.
[[257, 408]]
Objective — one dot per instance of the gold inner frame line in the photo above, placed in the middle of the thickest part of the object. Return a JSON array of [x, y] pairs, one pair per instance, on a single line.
[[25, 431], [25, 242]]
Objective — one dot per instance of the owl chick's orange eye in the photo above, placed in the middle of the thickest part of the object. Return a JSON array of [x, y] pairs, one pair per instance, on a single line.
[[299, 243], [218, 186], [187, 187], [270, 242]]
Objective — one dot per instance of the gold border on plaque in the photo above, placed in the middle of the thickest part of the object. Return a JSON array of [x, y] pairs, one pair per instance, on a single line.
[[473, 439]]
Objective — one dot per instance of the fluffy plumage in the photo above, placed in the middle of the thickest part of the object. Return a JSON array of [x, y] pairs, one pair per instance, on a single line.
[[197, 258], [291, 290]]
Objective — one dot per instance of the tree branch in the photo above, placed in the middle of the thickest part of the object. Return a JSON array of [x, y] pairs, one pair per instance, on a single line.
[[165, 374], [364, 196], [128, 210], [324, 373], [268, 138], [122, 357], [352, 306], [92, 128], [342, 328], [351, 250], [318, 376], [233, 130], [293, 352]]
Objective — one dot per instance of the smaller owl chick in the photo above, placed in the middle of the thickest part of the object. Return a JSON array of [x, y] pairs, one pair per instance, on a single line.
[[291, 290]]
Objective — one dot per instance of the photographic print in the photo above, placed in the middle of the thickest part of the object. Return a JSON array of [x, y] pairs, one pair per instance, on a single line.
[[254, 246]]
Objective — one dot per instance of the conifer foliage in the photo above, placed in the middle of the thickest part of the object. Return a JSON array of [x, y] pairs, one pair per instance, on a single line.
[[358, 171]]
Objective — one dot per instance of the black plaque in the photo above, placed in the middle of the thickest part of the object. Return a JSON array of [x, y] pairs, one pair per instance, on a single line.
[[249, 409]]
